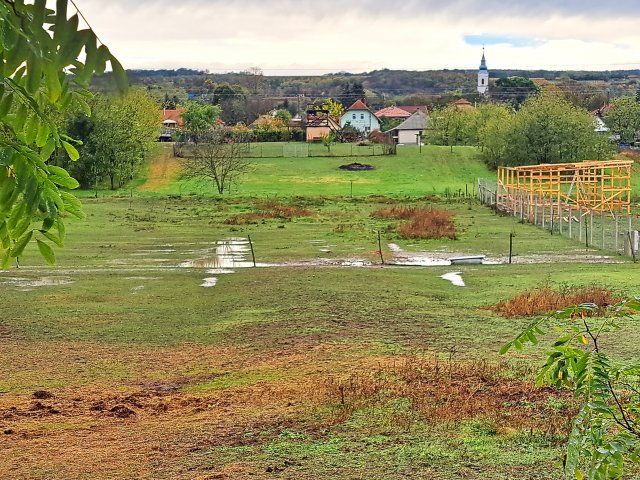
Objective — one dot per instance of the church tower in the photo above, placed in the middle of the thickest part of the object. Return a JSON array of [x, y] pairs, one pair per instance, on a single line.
[[483, 76]]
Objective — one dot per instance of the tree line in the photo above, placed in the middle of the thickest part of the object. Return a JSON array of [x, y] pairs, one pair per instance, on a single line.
[[545, 129]]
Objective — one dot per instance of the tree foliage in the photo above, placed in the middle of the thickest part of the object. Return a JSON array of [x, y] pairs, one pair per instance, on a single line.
[[450, 126], [200, 117], [116, 139], [513, 90], [624, 118], [606, 431], [37, 47]]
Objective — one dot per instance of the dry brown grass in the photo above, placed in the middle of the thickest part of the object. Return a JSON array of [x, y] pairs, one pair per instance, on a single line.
[[424, 223], [163, 170], [268, 210], [543, 300], [445, 393], [147, 426]]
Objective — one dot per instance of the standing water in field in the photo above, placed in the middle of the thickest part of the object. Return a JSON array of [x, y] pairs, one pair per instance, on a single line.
[[227, 254], [454, 278]]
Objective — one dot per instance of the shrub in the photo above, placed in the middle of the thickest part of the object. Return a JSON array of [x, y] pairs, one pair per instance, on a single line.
[[423, 223], [543, 300]]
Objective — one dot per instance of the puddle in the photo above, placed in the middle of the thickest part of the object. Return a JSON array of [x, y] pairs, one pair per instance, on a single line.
[[209, 282], [219, 271], [227, 254], [35, 283], [137, 289], [400, 257], [454, 278], [431, 259]]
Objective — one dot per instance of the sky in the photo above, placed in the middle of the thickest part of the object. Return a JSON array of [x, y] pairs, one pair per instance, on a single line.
[[302, 37]]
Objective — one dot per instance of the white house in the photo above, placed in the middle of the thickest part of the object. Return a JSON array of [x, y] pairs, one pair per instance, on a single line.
[[360, 117], [410, 131]]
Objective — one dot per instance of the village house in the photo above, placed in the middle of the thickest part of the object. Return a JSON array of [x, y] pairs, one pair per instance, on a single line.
[[410, 131], [319, 124], [360, 117], [393, 112], [462, 104], [171, 122]]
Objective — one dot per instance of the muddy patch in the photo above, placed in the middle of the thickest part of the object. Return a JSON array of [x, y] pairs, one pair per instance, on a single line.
[[356, 167]]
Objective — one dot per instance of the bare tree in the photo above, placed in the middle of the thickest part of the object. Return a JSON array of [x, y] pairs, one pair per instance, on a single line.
[[218, 159]]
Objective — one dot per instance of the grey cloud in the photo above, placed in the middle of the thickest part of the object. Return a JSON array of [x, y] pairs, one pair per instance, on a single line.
[[464, 8]]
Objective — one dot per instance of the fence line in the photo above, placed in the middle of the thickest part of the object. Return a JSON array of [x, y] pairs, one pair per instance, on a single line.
[[617, 232], [300, 150]]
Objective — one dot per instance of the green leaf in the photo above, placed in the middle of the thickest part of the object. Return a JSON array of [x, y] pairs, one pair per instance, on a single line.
[[20, 244], [119, 75], [71, 151], [53, 238], [47, 252], [505, 348]]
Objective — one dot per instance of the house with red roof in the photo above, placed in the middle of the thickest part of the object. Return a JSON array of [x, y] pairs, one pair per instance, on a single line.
[[414, 108], [171, 122], [393, 112], [462, 104], [360, 117]]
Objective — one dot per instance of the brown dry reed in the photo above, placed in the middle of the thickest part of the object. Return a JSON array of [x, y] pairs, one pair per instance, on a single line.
[[423, 223], [448, 392], [542, 300]]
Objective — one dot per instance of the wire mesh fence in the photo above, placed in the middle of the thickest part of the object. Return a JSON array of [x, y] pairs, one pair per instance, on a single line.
[[298, 150], [617, 232]]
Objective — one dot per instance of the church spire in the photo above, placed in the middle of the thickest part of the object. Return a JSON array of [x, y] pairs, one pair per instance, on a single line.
[[483, 62], [483, 76]]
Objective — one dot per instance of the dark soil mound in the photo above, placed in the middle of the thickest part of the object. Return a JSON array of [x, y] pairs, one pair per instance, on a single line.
[[356, 167]]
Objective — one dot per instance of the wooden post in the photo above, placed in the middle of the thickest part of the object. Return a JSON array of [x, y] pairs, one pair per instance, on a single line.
[[591, 227], [586, 233], [351, 188], [253, 255], [510, 246], [602, 225], [633, 252], [615, 218], [570, 222], [380, 248]]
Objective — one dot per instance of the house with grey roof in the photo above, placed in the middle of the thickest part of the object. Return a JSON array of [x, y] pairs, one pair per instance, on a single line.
[[410, 131]]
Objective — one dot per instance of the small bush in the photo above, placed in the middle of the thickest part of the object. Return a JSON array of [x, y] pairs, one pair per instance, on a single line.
[[545, 299], [423, 223]]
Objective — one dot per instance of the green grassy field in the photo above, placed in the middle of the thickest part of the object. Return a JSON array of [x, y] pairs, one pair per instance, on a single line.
[[410, 173], [307, 367]]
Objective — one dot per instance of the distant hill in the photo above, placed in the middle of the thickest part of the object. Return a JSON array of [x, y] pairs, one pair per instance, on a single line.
[[431, 87]]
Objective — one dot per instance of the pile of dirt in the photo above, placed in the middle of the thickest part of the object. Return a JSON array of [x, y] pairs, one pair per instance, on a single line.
[[356, 167]]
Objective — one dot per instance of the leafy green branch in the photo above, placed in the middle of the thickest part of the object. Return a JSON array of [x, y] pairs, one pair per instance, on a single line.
[[606, 431], [42, 76]]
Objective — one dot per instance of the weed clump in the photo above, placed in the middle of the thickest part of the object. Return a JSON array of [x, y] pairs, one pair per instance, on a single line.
[[481, 394], [268, 210], [543, 300], [423, 223]]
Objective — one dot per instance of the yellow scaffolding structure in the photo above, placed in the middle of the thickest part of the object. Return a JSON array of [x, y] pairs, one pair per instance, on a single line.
[[601, 186]]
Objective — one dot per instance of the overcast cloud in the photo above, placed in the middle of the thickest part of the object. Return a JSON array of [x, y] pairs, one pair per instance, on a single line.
[[289, 36]]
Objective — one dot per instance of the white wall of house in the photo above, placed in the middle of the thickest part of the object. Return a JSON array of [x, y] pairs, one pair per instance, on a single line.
[[408, 137], [363, 120]]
